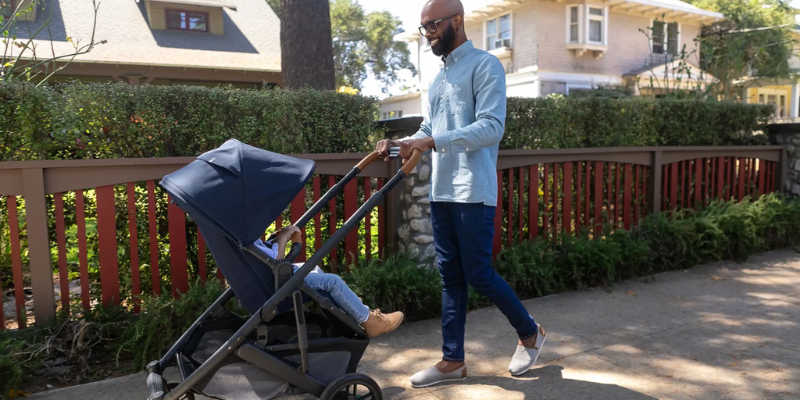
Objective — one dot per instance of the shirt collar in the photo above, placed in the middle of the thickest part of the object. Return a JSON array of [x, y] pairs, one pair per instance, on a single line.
[[459, 52]]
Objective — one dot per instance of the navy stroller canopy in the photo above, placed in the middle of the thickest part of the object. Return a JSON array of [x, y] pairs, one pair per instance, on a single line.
[[238, 189]]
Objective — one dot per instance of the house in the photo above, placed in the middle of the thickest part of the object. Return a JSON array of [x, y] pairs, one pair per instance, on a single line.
[[557, 46], [197, 42], [783, 94]]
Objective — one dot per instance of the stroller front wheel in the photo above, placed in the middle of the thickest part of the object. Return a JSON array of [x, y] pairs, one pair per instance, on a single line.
[[352, 387]]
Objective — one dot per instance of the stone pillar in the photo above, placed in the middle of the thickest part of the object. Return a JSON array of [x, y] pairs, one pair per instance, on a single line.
[[415, 234], [789, 135], [794, 102]]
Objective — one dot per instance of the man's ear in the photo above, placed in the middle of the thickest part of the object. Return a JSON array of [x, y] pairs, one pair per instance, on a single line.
[[459, 20]]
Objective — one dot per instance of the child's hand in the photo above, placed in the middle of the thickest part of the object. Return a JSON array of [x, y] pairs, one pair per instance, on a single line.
[[287, 233], [283, 237]]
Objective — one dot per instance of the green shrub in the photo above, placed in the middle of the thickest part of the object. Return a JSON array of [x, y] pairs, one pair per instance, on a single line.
[[576, 122], [95, 120], [662, 242], [397, 283]]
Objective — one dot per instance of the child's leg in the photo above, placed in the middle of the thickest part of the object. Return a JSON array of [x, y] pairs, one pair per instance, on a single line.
[[341, 294]]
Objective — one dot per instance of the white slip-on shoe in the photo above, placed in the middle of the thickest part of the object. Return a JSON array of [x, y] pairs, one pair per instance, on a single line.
[[524, 358], [432, 376]]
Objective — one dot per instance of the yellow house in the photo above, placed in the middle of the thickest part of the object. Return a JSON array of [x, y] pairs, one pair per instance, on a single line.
[[783, 94]]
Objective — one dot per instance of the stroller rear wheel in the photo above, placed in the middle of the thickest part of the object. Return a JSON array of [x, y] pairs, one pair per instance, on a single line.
[[352, 387]]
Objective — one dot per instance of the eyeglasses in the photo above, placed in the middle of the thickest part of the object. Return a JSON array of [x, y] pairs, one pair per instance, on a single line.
[[431, 26]]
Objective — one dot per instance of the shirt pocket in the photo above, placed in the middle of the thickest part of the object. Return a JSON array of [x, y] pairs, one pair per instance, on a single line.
[[454, 95]]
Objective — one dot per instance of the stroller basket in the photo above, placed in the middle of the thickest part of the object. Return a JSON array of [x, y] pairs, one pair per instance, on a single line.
[[233, 193]]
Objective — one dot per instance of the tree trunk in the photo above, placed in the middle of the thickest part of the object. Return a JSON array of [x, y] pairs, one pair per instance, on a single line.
[[306, 45]]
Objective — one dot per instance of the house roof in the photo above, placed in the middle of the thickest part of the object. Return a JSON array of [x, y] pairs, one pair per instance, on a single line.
[[251, 39], [676, 9], [670, 70]]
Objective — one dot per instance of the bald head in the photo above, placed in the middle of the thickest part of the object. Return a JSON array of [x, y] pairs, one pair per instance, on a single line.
[[442, 8], [443, 25]]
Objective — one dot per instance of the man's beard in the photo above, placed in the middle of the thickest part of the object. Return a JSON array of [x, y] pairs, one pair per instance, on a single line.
[[445, 42]]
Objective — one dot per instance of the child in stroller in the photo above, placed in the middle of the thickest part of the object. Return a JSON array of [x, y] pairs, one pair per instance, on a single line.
[[374, 322]]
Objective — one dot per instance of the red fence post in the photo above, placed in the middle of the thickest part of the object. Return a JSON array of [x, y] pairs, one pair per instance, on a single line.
[[134, 245], [498, 217], [566, 209], [350, 207], [38, 244], [177, 250], [61, 239], [107, 245], [298, 208], [533, 201], [16, 263], [151, 218]]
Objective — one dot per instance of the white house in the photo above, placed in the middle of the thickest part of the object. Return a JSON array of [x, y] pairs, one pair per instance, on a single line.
[[554, 46]]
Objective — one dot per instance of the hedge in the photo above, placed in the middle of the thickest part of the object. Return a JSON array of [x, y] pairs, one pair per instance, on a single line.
[[76, 121], [573, 122], [97, 120]]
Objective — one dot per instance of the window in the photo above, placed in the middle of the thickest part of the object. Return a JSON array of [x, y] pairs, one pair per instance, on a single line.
[[587, 25], [187, 21], [574, 24], [665, 38], [6, 8], [392, 114], [596, 25], [498, 32]]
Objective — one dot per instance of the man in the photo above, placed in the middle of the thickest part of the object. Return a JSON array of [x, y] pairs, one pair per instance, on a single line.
[[467, 103]]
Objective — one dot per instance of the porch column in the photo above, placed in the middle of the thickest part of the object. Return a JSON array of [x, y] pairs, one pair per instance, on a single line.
[[794, 102]]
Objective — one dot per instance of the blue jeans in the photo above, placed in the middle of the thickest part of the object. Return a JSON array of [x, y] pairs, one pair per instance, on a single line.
[[463, 235], [338, 292]]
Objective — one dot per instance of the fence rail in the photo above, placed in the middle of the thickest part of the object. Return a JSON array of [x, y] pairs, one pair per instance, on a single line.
[[108, 229]]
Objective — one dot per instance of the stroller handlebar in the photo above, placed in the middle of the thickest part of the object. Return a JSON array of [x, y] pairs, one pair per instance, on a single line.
[[412, 162]]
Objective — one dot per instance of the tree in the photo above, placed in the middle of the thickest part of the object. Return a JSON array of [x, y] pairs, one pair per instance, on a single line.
[[22, 60], [363, 42], [755, 40], [306, 44]]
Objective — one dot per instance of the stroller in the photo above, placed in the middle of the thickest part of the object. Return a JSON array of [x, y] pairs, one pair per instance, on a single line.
[[280, 349]]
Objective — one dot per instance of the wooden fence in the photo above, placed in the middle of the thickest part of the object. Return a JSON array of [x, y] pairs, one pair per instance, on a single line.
[[125, 215], [541, 192], [576, 191]]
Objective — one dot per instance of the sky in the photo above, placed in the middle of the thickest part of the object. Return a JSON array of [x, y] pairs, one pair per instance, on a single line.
[[408, 11]]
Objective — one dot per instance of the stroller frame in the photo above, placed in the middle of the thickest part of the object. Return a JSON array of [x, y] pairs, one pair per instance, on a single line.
[[288, 285]]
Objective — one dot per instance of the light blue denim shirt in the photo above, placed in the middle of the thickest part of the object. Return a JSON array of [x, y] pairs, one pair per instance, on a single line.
[[466, 118]]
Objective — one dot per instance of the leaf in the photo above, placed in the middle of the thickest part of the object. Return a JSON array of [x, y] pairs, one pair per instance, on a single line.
[[669, 376], [632, 293], [717, 278], [733, 365]]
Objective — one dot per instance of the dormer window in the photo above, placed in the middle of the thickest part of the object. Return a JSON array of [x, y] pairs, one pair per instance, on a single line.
[[187, 15], [187, 20]]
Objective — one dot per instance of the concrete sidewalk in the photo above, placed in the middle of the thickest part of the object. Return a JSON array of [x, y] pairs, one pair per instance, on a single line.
[[722, 331]]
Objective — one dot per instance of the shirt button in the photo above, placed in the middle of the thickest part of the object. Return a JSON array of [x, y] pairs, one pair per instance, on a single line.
[[443, 150]]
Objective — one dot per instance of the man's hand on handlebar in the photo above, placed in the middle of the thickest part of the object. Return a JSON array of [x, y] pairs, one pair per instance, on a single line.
[[383, 146], [407, 147]]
